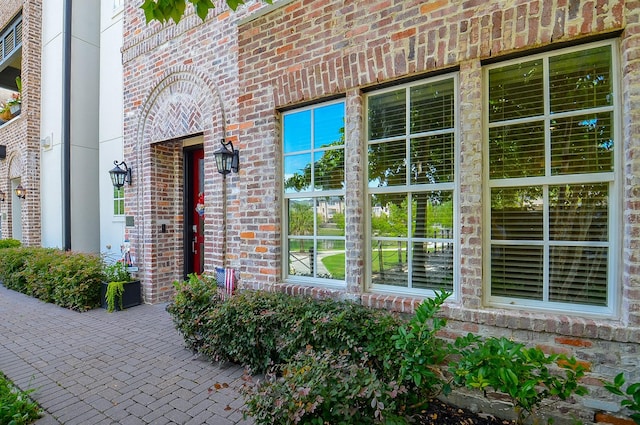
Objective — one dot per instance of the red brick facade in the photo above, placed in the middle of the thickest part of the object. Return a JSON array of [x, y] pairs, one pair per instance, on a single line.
[[21, 136], [232, 76]]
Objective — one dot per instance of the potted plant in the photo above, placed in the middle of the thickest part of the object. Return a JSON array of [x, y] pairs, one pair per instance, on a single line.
[[118, 290], [12, 106]]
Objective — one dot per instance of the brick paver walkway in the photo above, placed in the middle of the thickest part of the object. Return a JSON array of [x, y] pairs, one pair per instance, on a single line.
[[128, 367]]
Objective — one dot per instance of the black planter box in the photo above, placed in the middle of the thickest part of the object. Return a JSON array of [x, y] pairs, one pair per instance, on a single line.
[[132, 295]]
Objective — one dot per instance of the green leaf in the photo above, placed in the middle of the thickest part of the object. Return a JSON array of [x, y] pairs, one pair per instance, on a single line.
[[618, 381], [149, 7], [233, 4]]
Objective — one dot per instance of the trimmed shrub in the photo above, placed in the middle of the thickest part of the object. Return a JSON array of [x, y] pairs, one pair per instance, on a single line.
[[12, 264], [195, 299], [68, 279], [260, 329], [9, 243], [77, 279], [326, 387]]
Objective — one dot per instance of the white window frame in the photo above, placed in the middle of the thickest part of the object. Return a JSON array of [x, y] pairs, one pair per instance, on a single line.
[[453, 187], [613, 178], [313, 194]]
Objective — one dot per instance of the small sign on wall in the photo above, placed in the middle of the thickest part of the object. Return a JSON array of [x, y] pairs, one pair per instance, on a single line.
[[128, 221]]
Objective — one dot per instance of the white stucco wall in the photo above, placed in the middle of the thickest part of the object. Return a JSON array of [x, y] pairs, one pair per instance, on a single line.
[[110, 134], [85, 46], [51, 124]]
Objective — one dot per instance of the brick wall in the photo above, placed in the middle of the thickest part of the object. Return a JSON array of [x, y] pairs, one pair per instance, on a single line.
[[229, 77], [179, 81], [313, 49], [22, 135]]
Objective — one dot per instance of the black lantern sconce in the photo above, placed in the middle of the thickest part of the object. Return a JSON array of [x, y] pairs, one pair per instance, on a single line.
[[21, 192], [227, 158], [120, 175], [1, 196]]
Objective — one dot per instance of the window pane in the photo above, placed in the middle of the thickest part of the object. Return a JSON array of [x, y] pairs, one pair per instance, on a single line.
[[301, 220], [387, 164], [432, 106], [297, 173], [389, 263], [330, 211], [516, 271], [387, 114], [329, 170], [432, 266], [516, 213], [578, 275], [579, 212], [432, 159], [516, 91], [330, 257], [328, 125], [582, 144], [432, 215], [297, 131], [516, 150], [581, 80], [301, 257], [390, 215]]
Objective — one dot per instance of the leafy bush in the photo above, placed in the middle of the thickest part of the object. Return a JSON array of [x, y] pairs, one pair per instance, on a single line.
[[522, 373], [325, 387], [631, 395], [16, 408], [9, 243], [69, 279], [195, 299], [36, 272], [77, 279], [12, 261], [260, 329], [421, 352]]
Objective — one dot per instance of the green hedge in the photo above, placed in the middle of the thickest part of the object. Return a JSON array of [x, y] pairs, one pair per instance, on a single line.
[[259, 329], [68, 279]]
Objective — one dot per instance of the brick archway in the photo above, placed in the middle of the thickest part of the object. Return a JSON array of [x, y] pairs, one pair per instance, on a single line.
[[182, 104]]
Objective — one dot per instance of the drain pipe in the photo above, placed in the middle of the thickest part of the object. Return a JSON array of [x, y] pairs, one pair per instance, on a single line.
[[66, 127]]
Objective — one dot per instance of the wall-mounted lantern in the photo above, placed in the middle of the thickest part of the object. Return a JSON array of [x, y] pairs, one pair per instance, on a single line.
[[227, 158], [21, 192], [1, 196], [120, 175]]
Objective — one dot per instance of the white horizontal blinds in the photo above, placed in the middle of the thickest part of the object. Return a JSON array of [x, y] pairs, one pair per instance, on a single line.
[[411, 175], [313, 181], [578, 215], [551, 162]]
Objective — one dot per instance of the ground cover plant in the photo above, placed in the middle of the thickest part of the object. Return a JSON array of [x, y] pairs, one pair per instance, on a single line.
[[16, 408], [631, 395], [524, 374]]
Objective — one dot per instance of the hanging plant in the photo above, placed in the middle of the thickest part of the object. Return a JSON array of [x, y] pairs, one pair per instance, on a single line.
[[115, 289]]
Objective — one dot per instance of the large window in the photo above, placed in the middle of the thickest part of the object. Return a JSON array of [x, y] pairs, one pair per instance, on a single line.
[[412, 191], [551, 186], [313, 162]]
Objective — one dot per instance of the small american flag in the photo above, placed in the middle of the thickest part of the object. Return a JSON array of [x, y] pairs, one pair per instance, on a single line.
[[229, 281]]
